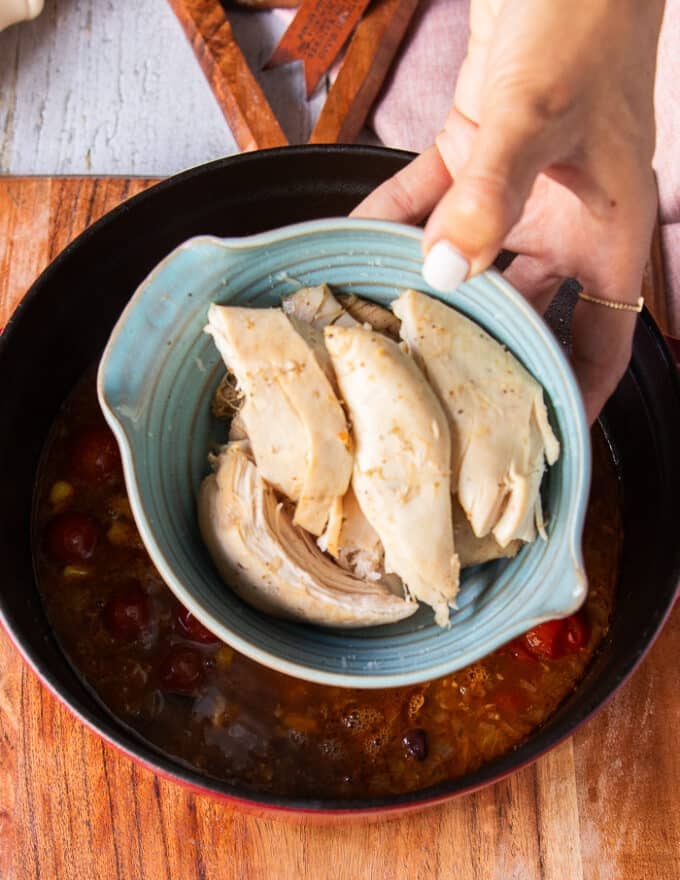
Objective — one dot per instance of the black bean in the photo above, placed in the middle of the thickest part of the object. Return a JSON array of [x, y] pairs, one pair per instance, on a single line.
[[415, 743]]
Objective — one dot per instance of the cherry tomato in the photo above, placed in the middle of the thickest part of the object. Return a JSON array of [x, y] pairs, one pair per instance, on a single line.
[[193, 628], [127, 613], [71, 537], [558, 638], [181, 670], [575, 633], [543, 640], [511, 700], [95, 455]]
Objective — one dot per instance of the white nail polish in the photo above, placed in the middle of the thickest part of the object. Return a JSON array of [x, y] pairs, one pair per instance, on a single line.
[[445, 267]]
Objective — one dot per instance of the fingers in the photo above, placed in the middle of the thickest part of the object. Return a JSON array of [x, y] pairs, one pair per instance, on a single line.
[[411, 194], [534, 280], [470, 223]]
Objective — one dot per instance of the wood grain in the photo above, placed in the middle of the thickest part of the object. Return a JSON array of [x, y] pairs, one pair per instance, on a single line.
[[251, 119], [602, 806], [315, 36], [363, 70]]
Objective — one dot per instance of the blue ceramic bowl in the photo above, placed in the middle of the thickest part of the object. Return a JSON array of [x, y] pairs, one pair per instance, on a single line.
[[156, 380]]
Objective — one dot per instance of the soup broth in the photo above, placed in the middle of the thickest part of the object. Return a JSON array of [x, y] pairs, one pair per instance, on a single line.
[[158, 670]]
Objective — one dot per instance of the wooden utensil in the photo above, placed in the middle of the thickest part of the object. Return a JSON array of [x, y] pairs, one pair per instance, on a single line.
[[315, 37], [367, 60], [250, 118]]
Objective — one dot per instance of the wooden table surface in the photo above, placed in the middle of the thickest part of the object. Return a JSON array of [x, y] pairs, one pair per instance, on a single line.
[[602, 806]]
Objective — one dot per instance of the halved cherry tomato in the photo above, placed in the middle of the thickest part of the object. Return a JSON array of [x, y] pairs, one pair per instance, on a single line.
[[193, 628], [543, 640], [558, 638], [575, 634], [71, 537], [127, 613], [95, 455]]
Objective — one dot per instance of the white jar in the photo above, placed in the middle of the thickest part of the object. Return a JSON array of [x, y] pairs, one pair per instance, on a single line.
[[12, 11]]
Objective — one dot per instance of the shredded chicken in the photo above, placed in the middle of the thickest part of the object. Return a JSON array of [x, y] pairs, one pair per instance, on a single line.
[[276, 566], [360, 549], [227, 400]]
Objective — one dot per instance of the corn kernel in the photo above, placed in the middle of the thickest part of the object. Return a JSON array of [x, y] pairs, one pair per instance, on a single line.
[[76, 571], [120, 506], [61, 491], [122, 534], [223, 657]]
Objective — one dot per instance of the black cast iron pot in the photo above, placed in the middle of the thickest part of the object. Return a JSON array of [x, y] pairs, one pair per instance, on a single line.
[[63, 323]]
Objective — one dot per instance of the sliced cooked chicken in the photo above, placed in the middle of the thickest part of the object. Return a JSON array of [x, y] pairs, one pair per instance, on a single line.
[[316, 306], [472, 550], [329, 542], [349, 537], [276, 566], [401, 466], [360, 549], [500, 431], [295, 423], [237, 428], [314, 339]]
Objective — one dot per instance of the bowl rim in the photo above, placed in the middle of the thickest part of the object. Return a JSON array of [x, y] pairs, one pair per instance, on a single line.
[[570, 550]]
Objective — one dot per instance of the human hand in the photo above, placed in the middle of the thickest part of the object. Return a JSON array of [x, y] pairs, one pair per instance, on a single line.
[[547, 152]]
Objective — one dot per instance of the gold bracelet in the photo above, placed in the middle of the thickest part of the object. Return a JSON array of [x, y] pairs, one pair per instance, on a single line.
[[613, 304]]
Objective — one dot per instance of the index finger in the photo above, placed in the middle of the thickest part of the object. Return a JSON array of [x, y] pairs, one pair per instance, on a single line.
[[411, 194]]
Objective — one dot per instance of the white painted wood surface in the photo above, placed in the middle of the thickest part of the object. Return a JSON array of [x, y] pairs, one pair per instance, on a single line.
[[112, 87]]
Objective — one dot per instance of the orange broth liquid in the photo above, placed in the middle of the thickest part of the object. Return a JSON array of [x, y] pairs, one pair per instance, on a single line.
[[160, 672]]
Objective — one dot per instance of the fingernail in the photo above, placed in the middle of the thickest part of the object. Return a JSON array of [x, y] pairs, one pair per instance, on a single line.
[[445, 267]]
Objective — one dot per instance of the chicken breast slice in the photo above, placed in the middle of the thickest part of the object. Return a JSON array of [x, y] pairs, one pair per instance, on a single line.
[[317, 307], [472, 550], [274, 565], [349, 537], [401, 464], [500, 433], [294, 421], [360, 549]]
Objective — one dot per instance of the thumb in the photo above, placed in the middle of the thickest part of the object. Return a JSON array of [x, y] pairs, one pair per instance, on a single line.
[[470, 223]]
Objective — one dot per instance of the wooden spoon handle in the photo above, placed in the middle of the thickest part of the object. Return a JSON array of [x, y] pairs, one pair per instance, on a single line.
[[250, 118], [364, 67]]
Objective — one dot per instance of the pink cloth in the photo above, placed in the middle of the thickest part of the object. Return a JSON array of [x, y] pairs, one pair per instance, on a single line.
[[419, 95]]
